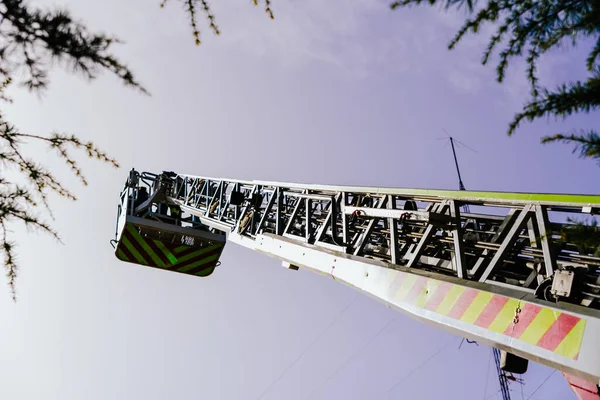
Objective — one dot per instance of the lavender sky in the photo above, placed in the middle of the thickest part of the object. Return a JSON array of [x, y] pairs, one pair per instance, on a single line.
[[336, 92]]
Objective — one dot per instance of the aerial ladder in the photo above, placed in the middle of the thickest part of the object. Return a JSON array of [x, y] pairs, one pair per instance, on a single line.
[[504, 274]]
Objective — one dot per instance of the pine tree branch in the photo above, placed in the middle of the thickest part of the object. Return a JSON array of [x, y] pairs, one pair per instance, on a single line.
[[32, 39], [566, 100], [268, 8], [593, 57], [18, 202], [468, 4], [191, 8], [585, 234], [534, 28], [587, 143]]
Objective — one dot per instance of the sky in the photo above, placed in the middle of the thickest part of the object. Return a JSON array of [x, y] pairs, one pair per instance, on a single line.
[[336, 92]]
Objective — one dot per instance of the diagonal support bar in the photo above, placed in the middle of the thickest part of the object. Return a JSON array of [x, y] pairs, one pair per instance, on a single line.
[[427, 235], [497, 238], [457, 236], [266, 212], [393, 226], [507, 243], [294, 214], [541, 214], [362, 240]]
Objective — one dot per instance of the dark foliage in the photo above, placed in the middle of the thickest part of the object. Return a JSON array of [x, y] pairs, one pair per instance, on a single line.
[[531, 29], [192, 7], [31, 41], [585, 234]]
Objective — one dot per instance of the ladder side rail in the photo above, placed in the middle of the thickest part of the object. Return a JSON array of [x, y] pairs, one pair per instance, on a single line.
[[494, 250]]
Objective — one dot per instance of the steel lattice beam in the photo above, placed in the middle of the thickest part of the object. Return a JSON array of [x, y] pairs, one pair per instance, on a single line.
[[483, 272], [517, 249]]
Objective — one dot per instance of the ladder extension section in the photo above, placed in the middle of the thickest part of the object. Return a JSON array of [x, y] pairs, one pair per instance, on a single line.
[[505, 274]]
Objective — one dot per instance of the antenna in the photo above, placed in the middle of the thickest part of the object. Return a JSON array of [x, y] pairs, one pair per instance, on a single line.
[[460, 182], [452, 140]]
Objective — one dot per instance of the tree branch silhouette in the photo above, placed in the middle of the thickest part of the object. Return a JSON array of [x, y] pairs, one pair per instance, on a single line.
[[531, 29], [31, 41]]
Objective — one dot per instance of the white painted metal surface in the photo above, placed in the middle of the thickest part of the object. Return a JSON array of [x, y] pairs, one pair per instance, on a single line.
[[375, 279]]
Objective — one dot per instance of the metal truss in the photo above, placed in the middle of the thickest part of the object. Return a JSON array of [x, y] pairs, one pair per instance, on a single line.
[[507, 240]]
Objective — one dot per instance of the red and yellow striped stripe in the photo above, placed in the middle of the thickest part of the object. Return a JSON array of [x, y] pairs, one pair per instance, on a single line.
[[549, 329]]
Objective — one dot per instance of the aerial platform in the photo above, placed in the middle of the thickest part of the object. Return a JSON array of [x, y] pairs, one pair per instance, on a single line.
[[509, 273]]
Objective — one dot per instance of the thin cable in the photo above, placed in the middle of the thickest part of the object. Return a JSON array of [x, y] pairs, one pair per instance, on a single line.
[[309, 346], [487, 374], [461, 144], [522, 395], [541, 384], [457, 141], [350, 359], [418, 367]]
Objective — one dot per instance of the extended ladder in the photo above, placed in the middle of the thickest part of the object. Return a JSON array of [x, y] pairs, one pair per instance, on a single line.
[[504, 274]]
